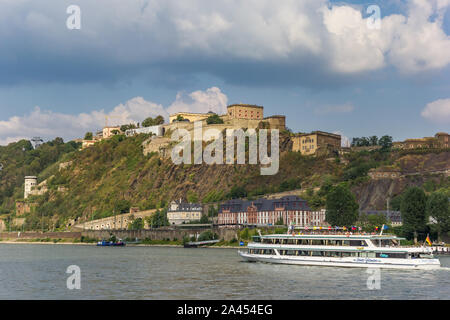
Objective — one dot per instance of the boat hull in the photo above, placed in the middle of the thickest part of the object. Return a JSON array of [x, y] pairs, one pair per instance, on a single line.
[[350, 262], [110, 244]]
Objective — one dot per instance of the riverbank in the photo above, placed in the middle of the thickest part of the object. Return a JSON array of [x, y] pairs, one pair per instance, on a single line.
[[95, 243]]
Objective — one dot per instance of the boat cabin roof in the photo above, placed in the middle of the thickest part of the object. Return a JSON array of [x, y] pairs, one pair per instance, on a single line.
[[330, 236]]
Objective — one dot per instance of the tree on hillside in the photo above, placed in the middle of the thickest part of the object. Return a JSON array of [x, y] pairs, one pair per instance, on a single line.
[[125, 127], [148, 122], [158, 219], [191, 196], [396, 202], [376, 220], [213, 211], [159, 120], [237, 192], [438, 208], [360, 142], [373, 140], [137, 224], [214, 119], [413, 208], [88, 136], [123, 206], [385, 142], [341, 206], [204, 219]]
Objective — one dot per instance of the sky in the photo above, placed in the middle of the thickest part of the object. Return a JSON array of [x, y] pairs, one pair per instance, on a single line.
[[326, 65]]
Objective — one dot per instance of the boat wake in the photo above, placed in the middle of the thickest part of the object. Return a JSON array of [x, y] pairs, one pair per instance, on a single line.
[[444, 268]]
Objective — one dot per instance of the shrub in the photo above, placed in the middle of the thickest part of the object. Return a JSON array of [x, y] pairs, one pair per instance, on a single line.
[[214, 119]]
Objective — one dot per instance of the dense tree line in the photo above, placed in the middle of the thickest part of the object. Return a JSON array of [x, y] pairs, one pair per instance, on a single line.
[[417, 208], [385, 141], [20, 159], [342, 208], [148, 122], [158, 219]]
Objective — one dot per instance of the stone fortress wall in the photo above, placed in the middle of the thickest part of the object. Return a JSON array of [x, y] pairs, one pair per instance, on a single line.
[[119, 221]]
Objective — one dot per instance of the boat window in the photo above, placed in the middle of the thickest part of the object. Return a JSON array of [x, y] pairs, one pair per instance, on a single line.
[[317, 253], [345, 242], [383, 243], [397, 255], [256, 239], [316, 242], [346, 254], [357, 243], [331, 254]]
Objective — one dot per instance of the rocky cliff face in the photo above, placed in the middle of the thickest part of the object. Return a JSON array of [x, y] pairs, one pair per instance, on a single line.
[[416, 169]]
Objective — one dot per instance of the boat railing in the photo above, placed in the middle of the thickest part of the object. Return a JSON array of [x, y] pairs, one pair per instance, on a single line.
[[350, 233]]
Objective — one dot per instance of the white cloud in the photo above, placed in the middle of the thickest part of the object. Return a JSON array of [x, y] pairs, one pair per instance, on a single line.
[[438, 111], [118, 35], [333, 109], [48, 124], [200, 102]]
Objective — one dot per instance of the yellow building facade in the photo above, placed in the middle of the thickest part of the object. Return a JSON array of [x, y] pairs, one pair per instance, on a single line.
[[245, 111], [316, 141]]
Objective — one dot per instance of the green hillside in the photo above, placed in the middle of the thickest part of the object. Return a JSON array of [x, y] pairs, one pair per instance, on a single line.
[[21, 159], [114, 175]]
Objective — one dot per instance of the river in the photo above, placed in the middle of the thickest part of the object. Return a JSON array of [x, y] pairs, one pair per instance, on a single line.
[[38, 271]]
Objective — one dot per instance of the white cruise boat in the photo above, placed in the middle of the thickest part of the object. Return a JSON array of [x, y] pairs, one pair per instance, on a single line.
[[339, 250]]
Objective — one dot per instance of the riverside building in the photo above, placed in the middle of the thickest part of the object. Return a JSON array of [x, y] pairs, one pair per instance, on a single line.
[[183, 212], [289, 210]]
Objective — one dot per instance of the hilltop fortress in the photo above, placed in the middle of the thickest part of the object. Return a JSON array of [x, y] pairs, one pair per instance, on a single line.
[[238, 116]]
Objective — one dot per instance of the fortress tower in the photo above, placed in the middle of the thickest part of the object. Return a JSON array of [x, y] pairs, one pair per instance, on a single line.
[[30, 181]]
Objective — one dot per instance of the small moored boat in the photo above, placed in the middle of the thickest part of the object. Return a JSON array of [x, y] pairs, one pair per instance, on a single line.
[[105, 243]]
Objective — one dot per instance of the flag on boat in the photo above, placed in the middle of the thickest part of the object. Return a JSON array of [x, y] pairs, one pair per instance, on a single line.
[[428, 240], [329, 228]]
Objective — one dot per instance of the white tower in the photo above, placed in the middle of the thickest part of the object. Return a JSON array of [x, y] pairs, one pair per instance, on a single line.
[[30, 181]]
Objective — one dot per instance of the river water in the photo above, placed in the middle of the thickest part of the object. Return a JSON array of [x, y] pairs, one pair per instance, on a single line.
[[38, 271]]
